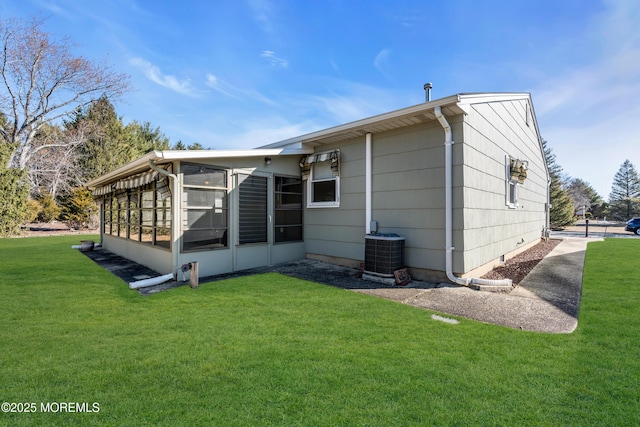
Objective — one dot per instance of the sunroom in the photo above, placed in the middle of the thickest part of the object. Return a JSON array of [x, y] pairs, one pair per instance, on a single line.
[[227, 210]]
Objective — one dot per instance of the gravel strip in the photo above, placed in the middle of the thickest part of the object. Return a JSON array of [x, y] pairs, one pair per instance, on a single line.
[[519, 266]]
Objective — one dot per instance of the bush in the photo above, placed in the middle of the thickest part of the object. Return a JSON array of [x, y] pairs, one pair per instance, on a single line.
[[49, 209], [79, 210], [33, 209]]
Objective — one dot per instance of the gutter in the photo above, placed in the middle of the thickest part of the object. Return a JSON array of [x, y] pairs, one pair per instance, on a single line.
[[175, 217], [448, 160]]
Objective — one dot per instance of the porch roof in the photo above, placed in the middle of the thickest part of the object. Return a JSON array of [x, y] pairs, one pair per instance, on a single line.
[[141, 164]]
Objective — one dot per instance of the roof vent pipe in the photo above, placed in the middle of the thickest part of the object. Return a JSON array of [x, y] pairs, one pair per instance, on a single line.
[[427, 89]]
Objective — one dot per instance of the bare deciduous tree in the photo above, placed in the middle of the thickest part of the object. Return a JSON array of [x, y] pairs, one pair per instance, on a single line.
[[42, 82], [53, 170]]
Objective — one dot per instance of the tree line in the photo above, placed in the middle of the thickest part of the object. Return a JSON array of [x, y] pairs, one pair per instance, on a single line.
[[572, 198], [59, 128]]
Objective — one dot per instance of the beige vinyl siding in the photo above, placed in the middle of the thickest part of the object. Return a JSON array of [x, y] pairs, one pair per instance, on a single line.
[[491, 229], [339, 231], [408, 190], [407, 196]]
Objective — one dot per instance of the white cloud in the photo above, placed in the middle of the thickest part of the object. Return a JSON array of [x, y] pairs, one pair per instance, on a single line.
[[381, 59], [232, 91], [153, 73], [221, 86], [274, 60], [349, 101], [262, 13]]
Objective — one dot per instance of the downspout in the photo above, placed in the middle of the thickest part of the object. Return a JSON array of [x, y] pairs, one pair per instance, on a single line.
[[175, 231], [448, 184], [367, 194], [547, 230]]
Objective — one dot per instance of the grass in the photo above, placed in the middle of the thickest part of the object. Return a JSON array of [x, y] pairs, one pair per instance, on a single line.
[[274, 350]]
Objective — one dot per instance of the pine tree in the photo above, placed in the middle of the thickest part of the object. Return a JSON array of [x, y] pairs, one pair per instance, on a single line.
[[624, 200], [109, 143], [561, 213], [14, 193]]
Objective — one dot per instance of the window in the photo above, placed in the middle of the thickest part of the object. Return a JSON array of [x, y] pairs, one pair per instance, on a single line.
[[122, 200], [512, 194], [205, 208], [140, 214], [516, 174], [133, 223], [162, 215], [106, 215], [288, 209], [323, 183]]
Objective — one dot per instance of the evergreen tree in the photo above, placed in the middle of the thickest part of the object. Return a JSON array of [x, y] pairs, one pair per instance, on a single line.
[[106, 146], [561, 213], [195, 146], [145, 139], [624, 200], [109, 143], [14, 193], [179, 146]]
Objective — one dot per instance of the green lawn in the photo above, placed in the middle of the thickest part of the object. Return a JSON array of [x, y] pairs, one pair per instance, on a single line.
[[273, 350]]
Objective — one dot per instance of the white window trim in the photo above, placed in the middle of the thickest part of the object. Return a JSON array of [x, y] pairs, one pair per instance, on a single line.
[[310, 181], [509, 183]]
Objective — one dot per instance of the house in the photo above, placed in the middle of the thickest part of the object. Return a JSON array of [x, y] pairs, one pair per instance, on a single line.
[[461, 182]]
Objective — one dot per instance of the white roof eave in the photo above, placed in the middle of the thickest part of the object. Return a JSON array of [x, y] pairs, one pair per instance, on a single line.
[[161, 157]]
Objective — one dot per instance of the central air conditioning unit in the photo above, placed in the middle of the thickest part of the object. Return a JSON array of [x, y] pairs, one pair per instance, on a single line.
[[383, 254]]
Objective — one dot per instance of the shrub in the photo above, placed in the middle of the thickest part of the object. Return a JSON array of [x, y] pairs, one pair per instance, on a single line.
[[33, 209], [79, 210], [49, 209]]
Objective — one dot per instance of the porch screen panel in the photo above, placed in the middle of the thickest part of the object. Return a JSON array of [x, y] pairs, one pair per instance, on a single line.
[[252, 209], [288, 209], [205, 208]]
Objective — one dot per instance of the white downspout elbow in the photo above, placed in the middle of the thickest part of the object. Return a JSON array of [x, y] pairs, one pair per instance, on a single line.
[[175, 222], [448, 184]]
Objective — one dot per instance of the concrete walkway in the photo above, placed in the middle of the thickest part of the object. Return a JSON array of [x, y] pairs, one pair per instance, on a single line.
[[547, 300]]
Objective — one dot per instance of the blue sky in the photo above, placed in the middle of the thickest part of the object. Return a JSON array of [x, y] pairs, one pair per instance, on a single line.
[[244, 73]]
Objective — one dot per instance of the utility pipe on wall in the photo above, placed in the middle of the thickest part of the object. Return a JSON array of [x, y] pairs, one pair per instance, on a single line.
[[448, 184], [547, 226], [367, 172], [175, 219]]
